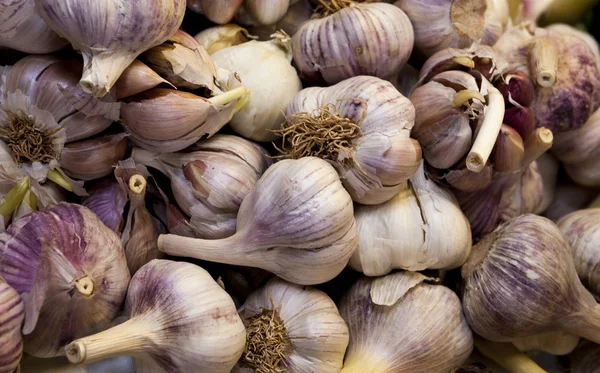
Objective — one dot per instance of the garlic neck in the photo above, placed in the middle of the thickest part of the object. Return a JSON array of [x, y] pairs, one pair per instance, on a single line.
[[585, 322]]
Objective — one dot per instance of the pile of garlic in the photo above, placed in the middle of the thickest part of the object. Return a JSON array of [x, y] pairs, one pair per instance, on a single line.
[[266, 186]]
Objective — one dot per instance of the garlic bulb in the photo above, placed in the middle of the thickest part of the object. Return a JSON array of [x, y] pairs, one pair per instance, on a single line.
[[296, 222], [421, 227], [554, 343], [111, 35], [211, 180], [214, 39], [441, 24], [403, 323], [569, 198], [585, 358], [22, 28], [370, 39], [221, 11], [582, 229], [362, 126], [180, 320], [74, 280], [292, 328], [12, 314], [520, 281], [265, 70], [589, 39]]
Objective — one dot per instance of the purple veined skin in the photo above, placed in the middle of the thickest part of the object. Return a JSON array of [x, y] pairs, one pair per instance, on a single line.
[[12, 313]]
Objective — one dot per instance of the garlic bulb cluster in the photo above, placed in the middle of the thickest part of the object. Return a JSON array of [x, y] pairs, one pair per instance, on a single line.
[[403, 322], [520, 281], [180, 320], [22, 28], [582, 229], [221, 11], [111, 35], [362, 126], [297, 222], [265, 70], [211, 180], [441, 24], [389, 236], [74, 280], [12, 313], [292, 328], [371, 39], [554, 343]]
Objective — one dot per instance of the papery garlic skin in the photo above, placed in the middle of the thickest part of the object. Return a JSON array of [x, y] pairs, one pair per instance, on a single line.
[[95, 157], [422, 227], [107, 200], [180, 320], [111, 35], [12, 313], [74, 280], [370, 39], [318, 335], [265, 70], [582, 229], [400, 323], [22, 28], [554, 343]]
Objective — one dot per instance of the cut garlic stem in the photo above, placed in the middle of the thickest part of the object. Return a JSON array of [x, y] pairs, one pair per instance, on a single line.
[[60, 180], [462, 97], [464, 61], [508, 356], [488, 133], [537, 144], [147, 158], [229, 96], [544, 61], [137, 184], [14, 197], [85, 286]]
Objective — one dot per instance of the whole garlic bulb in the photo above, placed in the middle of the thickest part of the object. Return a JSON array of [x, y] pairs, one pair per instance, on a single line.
[[265, 69], [520, 281], [362, 126], [309, 335], [582, 229], [12, 313], [22, 28], [553, 343], [74, 280], [111, 35], [403, 323], [297, 222], [370, 39], [441, 24], [422, 227], [180, 320]]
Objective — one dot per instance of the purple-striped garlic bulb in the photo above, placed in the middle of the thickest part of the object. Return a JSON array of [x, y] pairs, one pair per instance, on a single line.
[[12, 313]]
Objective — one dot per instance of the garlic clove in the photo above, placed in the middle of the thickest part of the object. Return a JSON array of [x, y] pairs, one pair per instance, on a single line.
[[553, 343], [517, 86], [137, 78], [93, 158], [215, 38], [384, 315], [267, 12], [465, 180], [110, 42], [107, 200], [278, 233], [509, 150], [298, 13], [11, 318], [192, 327], [220, 12]]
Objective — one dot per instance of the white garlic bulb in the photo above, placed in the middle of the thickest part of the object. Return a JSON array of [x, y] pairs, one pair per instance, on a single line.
[[402, 323], [110, 35], [553, 343], [12, 313], [180, 320], [265, 70], [361, 126], [305, 324], [370, 39], [421, 227]]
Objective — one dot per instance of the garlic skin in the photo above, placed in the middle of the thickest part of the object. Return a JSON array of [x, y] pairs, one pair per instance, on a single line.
[[286, 226], [582, 230], [22, 28], [180, 320], [74, 281], [520, 281], [441, 24], [383, 315], [390, 235], [371, 39], [215, 38], [107, 200], [110, 42], [553, 343], [220, 12], [265, 70], [137, 78], [12, 313], [380, 155], [95, 157], [316, 336]]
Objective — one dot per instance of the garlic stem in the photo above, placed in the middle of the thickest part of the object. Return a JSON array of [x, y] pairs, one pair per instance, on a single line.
[[230, 250], [124, 339], [60, 180], [229, 96], [462, 97], [85, 286], [544, 61], [147, 158], [508, 356], [464, 61], [587, 324], [537, 144], [14, 197], [137, 184], [488, 133]]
